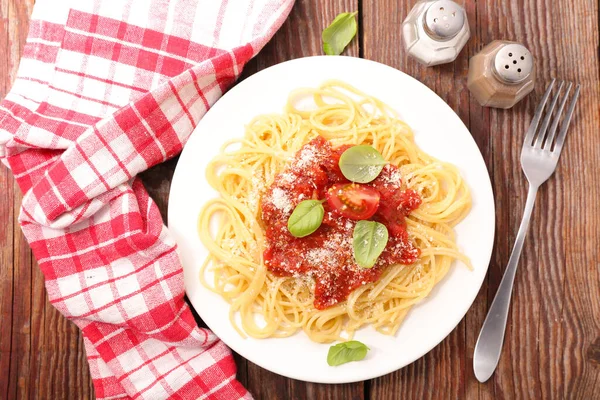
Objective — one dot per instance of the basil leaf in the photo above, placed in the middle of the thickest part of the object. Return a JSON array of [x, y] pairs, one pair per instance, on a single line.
[[345, 352], [361, 164], [368, 241], [337, 35], [306, 218]]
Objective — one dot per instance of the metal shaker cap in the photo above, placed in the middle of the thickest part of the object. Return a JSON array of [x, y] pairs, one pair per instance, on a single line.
[[435, 31], [513, 63], [444, 19]]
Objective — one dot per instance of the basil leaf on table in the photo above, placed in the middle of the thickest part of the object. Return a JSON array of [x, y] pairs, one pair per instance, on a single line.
[[337, 35], [368, 241], [306, 218], [361, 163], [344, 352]]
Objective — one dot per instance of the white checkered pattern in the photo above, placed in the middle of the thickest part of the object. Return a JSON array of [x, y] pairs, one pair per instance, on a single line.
[[105, 90]]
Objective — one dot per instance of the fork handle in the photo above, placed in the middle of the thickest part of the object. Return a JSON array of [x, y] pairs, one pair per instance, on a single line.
[[489, 344]]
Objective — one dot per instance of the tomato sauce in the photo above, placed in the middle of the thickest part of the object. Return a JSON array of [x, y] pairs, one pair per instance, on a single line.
[[327, 255]]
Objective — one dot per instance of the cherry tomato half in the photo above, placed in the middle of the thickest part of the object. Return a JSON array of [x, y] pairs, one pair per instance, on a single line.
[[352, 200]]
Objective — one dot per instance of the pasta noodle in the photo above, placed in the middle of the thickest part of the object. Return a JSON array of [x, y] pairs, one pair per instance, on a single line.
[[272, 306]]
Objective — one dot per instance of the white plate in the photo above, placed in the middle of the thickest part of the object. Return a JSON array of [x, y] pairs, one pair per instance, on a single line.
[[438, 131]]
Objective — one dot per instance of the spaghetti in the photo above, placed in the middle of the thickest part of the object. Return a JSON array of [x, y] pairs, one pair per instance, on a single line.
[[275, 306]]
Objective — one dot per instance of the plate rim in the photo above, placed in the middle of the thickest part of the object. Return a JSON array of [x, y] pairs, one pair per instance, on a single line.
[[491, 203]]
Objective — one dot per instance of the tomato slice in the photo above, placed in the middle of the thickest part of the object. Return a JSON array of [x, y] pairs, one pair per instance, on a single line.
[[352, 200]]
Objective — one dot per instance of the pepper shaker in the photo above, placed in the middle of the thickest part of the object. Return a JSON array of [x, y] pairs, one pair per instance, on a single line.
[[501, 74], [435, 31]]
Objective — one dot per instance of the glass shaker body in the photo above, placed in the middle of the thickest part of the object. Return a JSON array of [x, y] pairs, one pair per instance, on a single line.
[[435, 31], [501, 74]]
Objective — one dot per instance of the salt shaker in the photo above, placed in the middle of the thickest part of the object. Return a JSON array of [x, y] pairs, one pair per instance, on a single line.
[[501, 74], [434, 32]]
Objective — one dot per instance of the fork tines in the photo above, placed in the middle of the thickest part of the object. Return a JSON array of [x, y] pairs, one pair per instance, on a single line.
[[544, 137]]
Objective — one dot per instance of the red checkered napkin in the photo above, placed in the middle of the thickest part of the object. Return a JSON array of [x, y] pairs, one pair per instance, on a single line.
[[105, 90]]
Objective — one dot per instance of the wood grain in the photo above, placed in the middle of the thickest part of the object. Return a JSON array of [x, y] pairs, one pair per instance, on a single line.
[[552, 346], [556, 295], [6, 235], [41, 353], [428, 377], [300, 36]]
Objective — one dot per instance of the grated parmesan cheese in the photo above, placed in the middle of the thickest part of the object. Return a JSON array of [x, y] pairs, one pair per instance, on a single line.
[[391, 176], [258, 187], [287, 178], [307, 156], [281, 200]]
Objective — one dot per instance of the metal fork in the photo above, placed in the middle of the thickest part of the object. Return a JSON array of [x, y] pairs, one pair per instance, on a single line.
[[538, 159]]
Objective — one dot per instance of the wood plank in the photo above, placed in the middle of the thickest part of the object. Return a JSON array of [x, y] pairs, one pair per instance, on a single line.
[[46, 355], [157, 181], [6, 233], [6, 277], [440, 373], [16, 308], [300, 36], [479, 123], [537, 331], [537, 328], [568, 252], [511, 188], [21, 309], [4, 61]]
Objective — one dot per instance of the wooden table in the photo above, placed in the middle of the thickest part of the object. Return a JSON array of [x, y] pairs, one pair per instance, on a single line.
[[552, 347]]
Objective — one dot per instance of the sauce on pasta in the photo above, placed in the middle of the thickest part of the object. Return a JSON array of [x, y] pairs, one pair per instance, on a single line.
[[326, 255]]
